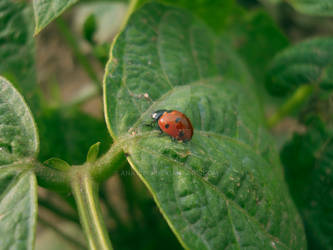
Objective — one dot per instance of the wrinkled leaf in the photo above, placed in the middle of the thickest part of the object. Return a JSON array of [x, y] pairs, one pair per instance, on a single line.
[[313, 7], [308, 165], [47, 10], [18, 195], [224, 188], [18, 209], [18, 133], [309, 62], [17, 48], [69, 134]]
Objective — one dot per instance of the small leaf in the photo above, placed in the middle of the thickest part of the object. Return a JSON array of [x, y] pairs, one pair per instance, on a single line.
[[308, 165], [224, 188], [57, 163], [89, 28], [18, 209], [93, 152], [313, 7], [18, 132], [47, 10], [309, 62]]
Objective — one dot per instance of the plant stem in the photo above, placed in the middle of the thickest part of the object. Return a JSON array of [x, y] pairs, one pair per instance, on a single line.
[[51, 178], [108, 164], [100, 170], [67, 237], [299, 97], [85, 191], [74, 45]]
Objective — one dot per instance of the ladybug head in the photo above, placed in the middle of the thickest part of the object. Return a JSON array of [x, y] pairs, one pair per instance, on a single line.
[[157, 114]]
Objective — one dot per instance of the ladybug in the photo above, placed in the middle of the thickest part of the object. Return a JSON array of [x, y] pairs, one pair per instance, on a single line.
[[174, 123]]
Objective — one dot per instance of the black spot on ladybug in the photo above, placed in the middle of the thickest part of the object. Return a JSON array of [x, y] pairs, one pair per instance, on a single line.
[[167, 125], [181, 133], [178, 120]]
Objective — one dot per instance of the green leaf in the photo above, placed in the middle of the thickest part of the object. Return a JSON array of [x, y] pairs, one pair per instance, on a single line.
[[18, 209], [18, 188], [313, 7], [57, 163], [308, 165], [309, 62], [47, 10], [17, 48], [93, 152], [69, 134], [224, 188], [18, 133], [257, 39], [89, 28]]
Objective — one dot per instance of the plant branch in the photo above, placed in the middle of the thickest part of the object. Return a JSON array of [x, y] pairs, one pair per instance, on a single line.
[[67, 237], [108, 164], [74, 45], [85, 191], [299, 97], [100, 170], [51, 178]]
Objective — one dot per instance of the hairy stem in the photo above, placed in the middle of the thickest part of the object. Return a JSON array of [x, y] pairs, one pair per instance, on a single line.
[[108, 164], [85, 191], [74, 45], [100, 170], [52, 178], [299, 97]]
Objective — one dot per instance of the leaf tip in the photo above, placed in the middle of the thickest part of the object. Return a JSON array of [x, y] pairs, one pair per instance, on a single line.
[[93, 152]]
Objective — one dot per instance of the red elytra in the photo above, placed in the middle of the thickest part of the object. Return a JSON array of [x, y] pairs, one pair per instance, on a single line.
[[174, 123]]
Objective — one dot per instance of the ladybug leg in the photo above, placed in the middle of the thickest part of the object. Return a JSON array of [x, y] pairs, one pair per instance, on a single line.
[[150, 124]]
